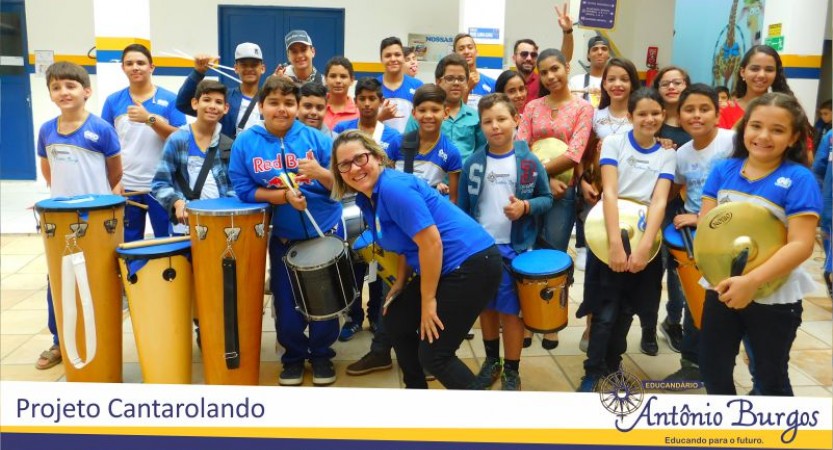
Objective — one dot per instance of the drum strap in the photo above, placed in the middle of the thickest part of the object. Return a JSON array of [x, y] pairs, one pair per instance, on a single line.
[[194, 194], [74, 271], [410, 147], [232, 344]]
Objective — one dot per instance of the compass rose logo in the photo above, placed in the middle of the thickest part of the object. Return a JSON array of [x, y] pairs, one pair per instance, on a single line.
[[621, 392]]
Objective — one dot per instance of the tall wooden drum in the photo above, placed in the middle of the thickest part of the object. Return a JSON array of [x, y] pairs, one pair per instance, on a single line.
[[229, 244], [80, 236]]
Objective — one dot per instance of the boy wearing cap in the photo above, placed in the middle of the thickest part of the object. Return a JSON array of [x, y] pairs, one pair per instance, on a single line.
[[243, 112], [589, 85], [300, 52]]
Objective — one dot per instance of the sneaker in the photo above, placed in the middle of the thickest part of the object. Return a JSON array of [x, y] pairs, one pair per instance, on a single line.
[[348, 331], [323, 372], [292, 374], [373, 327], [673, 333], [585, 340], [649, 341], [489, 373], [470, 335], [428, 375], [510, 381], [588, 384], [527, 342], [370, 362], [581, 258], [688, 372]]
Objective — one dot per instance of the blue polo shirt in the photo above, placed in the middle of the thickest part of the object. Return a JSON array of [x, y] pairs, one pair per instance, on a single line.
[[406, 205], [463, 129]]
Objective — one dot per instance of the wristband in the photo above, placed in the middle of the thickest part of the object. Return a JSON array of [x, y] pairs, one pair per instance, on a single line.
[[570, 31]]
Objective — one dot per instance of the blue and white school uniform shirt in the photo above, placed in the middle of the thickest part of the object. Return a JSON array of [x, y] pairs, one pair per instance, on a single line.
[[500, 181], [78, 160], [434, 166], [405, 205], [639, 168], [403, 98], [788, 191], [389, 139], [141, 146], [484, 87]]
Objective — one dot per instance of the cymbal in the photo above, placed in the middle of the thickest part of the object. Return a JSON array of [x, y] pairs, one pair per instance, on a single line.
[[551, 148], [733, 229], [632, 219]]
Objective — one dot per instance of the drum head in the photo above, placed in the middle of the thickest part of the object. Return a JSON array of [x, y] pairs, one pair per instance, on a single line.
[[79, 202], [540, 263], [315, 253], [225, 206], [153, 251], [674, 238], [363, 241]]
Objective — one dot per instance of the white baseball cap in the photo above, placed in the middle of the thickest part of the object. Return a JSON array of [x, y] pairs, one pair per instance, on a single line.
[[248, 50]]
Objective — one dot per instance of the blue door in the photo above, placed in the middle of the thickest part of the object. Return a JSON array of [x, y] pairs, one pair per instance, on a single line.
[[266, 26], [17, 148]]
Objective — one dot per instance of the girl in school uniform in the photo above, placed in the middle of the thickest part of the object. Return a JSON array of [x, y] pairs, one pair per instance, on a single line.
[[634, 166], [768, 167]]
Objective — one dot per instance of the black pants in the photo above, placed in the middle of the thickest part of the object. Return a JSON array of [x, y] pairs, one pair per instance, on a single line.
[[461, 297], [770, 330], [613, 298]]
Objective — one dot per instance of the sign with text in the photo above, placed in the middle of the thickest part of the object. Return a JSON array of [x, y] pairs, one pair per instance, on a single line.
[[776, 42], [597, 13]]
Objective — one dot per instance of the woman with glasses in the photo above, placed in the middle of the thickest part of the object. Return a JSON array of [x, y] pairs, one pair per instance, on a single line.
[[557, 114], [670, 82], [457, 265]]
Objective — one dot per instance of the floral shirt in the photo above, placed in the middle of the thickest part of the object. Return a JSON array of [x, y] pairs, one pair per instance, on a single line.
[[572, 124]]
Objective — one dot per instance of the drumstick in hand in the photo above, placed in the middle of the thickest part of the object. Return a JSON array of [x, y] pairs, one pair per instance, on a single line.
[[288, 184]]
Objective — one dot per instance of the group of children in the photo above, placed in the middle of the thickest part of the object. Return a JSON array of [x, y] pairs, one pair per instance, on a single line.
[[480, 159]]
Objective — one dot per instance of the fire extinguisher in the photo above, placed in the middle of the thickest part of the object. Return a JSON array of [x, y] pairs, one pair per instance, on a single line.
[[651, 63]]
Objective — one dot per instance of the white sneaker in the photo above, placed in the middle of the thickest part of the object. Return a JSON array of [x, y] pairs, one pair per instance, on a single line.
[[581, 258]]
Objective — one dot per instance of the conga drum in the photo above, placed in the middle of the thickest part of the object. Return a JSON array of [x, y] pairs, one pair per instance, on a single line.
[[80, 235], [695, 295], [388, 262], [543, 278], [228, 247], [157, 277]]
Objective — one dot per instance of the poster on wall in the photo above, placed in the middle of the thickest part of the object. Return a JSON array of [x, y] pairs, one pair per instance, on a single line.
[[430, 47], [711, 37]]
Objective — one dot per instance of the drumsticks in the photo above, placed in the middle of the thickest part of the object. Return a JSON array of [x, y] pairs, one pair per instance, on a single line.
[[148, 242], [288, 184], [137, 204], [215, 67]]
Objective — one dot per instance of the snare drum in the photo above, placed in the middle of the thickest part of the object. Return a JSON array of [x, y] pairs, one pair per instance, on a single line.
[[228, 243], [543, 278], [695, 295], [157, 277], [352, 216], [80, 235], [322, 278], [388, 262]]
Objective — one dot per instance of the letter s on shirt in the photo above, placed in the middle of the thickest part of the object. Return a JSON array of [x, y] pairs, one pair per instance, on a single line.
[[475, 178]]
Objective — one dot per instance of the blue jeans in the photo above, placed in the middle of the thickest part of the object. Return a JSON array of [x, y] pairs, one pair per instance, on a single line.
[[559, 221], [289, 323], [770, 329], [50, 311], [134, 219]]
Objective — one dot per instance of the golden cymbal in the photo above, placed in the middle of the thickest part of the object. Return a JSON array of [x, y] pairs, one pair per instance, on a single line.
[[551, 148], [732, 230], [632, 219]]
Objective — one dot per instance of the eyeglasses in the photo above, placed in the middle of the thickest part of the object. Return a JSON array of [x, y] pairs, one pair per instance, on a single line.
[[359, 160], [676, 83], [526, 54], [451, 79]]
